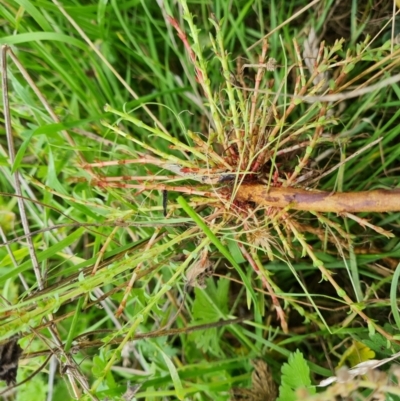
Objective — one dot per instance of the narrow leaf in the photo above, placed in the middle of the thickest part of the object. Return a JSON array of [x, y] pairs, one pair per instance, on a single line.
[[21, 153], [180, 393], [393, 296]]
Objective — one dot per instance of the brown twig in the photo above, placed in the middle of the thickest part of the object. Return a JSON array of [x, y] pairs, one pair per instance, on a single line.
[[80, 345]]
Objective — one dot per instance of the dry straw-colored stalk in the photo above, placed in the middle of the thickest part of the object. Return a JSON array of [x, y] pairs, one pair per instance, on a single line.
[[320, 201]]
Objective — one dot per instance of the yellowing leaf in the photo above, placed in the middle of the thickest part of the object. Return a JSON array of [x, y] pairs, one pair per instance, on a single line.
[[358, 352], [7, 220]]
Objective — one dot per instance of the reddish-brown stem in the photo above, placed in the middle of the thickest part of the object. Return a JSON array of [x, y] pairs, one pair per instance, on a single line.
[[158, 187]]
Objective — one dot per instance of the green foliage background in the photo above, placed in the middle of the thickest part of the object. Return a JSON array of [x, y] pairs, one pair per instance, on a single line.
[[113, 226]]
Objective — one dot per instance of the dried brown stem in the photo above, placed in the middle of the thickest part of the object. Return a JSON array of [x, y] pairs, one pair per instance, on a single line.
[[340, 202], [153, 334]]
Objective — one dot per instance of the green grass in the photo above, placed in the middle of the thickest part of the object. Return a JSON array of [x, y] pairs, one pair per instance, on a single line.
[[267, 282]]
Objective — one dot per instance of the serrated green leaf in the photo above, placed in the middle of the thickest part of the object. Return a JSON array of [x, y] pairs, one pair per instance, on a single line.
[[296, 372], [210, 305], [98, 366], [295, 375], [207, 341], [36, 386], [286, 394], [202, 309]]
